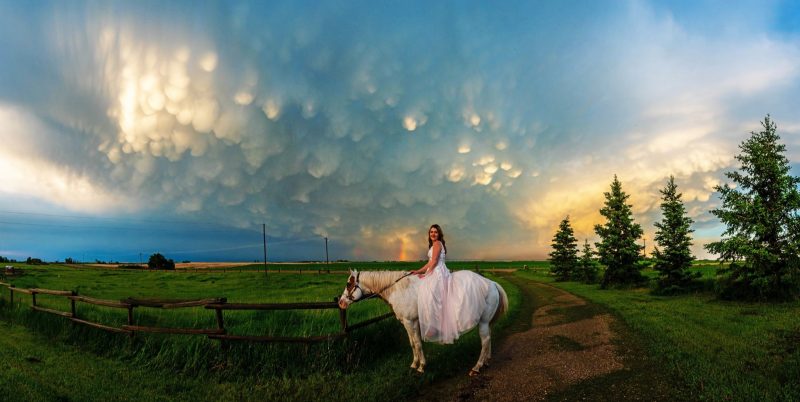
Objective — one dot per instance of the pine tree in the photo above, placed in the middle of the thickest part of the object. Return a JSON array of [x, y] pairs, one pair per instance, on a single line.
[[674, 236], [564, 257], [762, 238], [617, 248], [587, 268]]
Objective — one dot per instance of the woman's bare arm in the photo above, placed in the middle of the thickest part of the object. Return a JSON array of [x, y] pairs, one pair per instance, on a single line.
[[432, 262], [437, 248]]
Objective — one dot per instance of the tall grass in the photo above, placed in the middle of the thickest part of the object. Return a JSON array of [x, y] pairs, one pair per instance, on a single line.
[[334, 370]]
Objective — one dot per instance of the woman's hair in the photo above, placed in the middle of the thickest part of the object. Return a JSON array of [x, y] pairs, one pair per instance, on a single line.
[[441, 237]]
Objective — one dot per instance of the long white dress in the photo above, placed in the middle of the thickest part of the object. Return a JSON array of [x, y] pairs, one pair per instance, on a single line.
[[450, 304]]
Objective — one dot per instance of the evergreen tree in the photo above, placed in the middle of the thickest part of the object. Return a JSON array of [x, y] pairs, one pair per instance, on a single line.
[[564, 257], [673, 234], [587, 268], [762, 238], [617, 248]]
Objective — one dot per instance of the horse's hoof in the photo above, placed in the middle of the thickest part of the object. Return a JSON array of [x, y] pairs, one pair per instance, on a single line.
[[473, 373], [421, 370]]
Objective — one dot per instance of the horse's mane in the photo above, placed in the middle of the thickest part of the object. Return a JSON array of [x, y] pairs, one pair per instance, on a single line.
[[377, 281]]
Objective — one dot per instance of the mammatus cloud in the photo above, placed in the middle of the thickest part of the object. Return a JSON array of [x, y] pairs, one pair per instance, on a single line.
[[366, 124]]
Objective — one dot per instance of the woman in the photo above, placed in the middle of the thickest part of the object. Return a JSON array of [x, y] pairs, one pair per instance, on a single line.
[[437, 299]]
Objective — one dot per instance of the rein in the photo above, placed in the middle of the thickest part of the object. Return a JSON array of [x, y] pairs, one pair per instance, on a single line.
[[377, 294]]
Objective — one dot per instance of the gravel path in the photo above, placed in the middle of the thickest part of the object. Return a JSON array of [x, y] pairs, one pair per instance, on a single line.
[[554, 354], [561, 348]]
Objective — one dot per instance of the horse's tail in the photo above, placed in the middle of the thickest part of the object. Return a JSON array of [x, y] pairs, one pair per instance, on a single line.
[[502, 308]]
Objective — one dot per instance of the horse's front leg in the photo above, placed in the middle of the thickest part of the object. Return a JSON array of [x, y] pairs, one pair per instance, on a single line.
[[486, 347], [409, 325], [418, 344]]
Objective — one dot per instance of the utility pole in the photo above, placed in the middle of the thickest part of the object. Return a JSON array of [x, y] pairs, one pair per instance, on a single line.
[[264, 232], [326, 254]]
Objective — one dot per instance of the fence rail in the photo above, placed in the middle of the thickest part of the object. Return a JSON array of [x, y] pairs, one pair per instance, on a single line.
[[100, 302], [172, 303], [100, 326], [218, 304], [273, 306], [52, 292]]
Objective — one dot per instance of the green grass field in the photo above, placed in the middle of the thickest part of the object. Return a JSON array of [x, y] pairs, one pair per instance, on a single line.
[[720, 350], [41, 352]]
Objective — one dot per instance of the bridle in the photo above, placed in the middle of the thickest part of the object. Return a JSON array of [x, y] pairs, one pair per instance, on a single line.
[[351, 290], [357, 285]]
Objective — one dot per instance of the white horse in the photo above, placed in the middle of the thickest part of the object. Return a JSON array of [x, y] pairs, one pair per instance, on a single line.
[[399, 290]]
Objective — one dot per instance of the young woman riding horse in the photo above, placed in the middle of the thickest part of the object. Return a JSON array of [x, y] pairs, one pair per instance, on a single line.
[[433, 304]]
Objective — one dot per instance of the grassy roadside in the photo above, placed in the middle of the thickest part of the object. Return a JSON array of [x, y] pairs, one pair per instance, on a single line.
[[33, 368], [722, 350], [43, 354]]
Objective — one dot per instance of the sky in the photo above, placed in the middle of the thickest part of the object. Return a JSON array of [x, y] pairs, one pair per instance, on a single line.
[[128, 128]]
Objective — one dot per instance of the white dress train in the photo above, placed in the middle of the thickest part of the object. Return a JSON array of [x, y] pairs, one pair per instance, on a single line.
[[450, 304]]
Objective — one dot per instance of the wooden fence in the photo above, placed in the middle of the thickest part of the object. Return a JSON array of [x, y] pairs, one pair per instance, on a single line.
[[219, 305]]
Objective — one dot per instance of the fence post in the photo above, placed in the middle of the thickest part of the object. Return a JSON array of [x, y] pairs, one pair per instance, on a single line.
[[11, 295], [72, 304], [130, 318], [220, 323], [343, 319], [223, 344], [33, 298]]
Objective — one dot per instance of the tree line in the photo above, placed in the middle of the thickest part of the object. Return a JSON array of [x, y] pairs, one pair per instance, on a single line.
[[761, 242], [156, 261]]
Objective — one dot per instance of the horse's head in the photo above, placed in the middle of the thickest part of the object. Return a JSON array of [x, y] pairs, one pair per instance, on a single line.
[[352, 291]]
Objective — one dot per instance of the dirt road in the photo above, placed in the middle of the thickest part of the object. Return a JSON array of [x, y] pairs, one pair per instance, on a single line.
[[562, 348]]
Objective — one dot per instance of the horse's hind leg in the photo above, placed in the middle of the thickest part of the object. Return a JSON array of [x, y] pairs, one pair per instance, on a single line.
[[409, 325], [486, 347]]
